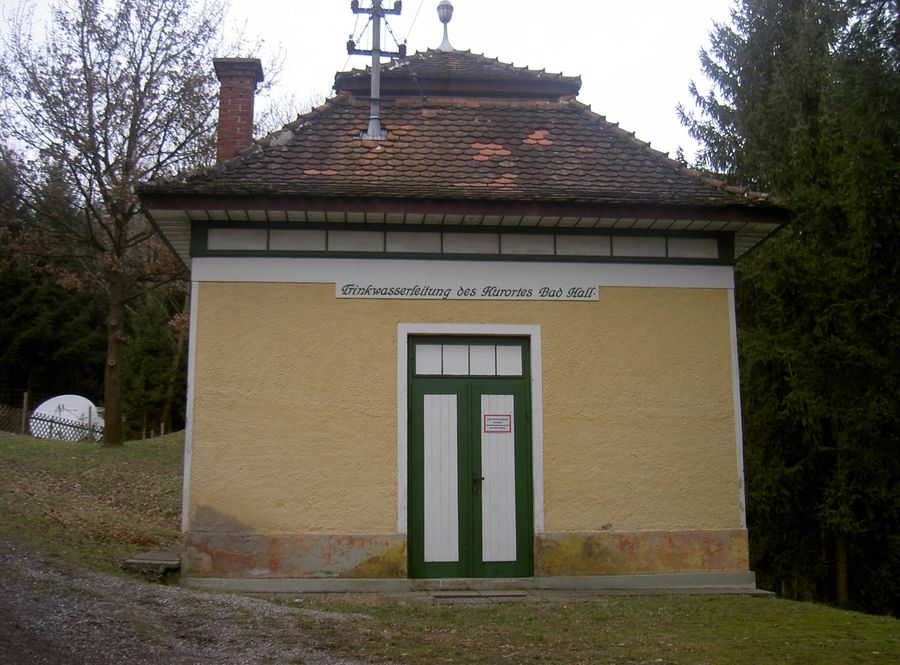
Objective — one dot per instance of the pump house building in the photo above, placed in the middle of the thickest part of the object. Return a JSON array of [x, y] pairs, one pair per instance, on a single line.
[[497, 342]]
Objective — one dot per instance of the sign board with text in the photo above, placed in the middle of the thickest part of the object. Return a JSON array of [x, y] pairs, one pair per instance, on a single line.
[[426, 290]]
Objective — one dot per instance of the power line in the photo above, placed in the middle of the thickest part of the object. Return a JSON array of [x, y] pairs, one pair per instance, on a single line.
[[388, 26], [355, 24], [362, 34], [413, 24]]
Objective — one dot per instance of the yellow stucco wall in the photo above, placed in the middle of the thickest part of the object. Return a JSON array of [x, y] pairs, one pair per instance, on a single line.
[[294, 425]]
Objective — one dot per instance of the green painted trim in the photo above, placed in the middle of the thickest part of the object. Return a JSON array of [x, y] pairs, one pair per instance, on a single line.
[[726, 248], [199, 241], [523, 565], [468, 391], [417, 566]]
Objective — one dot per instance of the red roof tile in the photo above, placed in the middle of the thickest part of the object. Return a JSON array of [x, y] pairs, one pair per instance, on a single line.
[[474, 130]]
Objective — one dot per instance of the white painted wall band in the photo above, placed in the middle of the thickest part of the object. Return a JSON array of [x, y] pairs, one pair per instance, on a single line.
[[189, 409], [738, 420], [502, 274]]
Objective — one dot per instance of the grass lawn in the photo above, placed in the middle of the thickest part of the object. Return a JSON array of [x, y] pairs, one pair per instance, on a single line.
[[90, 505], [728, 630], [94, 506]]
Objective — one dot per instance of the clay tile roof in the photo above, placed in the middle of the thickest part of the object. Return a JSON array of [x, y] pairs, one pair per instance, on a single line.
[[459, 73], [446, 145]]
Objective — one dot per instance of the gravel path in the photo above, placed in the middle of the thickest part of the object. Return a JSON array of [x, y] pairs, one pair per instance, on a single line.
[[54, 613]]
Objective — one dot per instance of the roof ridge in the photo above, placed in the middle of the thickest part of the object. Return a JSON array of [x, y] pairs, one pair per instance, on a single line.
[[511, 65], [400, 63]]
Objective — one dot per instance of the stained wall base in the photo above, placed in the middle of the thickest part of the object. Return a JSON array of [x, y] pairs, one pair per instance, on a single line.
[[640, 552], [252, 555], [384, 556]]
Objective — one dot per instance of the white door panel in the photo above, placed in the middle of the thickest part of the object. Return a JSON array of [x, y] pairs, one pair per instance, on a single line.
[[498, 489], [441, 479]]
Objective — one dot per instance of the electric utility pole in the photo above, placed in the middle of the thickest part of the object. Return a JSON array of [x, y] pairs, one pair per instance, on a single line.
[[377, 12]]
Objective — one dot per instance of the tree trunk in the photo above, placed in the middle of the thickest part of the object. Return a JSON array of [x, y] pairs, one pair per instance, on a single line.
[[113, 433], [173, 374], [842, 585]]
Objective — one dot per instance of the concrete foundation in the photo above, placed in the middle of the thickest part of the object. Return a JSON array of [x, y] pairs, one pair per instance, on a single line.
[[713, 583]]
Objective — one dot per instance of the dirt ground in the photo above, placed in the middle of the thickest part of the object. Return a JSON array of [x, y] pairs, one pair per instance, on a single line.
[[54, 613]]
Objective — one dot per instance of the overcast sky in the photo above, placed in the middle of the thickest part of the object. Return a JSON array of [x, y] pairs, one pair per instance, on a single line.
[[635, 59]]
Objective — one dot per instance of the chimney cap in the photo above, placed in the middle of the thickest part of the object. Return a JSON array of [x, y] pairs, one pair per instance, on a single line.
[[238, 67]]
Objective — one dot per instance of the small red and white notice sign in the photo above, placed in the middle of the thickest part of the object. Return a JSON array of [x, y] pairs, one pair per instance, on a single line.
[[497, 423]]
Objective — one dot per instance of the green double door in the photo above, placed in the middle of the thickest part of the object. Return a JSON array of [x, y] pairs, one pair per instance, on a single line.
[[470, 487]]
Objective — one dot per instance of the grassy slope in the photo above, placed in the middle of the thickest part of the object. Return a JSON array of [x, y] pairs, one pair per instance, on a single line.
[[90, 505], [727, 630], [94, 506]]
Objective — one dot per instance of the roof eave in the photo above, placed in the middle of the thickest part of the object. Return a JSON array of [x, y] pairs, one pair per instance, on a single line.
[[737, 211]]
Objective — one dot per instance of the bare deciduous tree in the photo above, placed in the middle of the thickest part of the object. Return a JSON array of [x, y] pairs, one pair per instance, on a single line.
[[112, 94], [277, 111]]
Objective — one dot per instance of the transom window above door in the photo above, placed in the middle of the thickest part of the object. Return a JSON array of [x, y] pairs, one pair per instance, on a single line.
[[469, 359]]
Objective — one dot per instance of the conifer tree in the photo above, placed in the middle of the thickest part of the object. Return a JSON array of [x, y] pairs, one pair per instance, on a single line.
[[806, 105]]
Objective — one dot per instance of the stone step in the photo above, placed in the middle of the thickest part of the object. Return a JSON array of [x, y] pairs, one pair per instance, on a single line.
[[155, 565], [480, 597]]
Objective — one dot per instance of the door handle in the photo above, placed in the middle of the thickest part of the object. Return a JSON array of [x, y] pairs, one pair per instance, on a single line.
[[476, 483]]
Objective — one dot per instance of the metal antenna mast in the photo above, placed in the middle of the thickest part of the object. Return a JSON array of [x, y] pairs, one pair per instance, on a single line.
[[377, 12]]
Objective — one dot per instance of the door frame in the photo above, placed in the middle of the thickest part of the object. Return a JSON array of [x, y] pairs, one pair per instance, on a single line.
[[533, 334], [468, 392]]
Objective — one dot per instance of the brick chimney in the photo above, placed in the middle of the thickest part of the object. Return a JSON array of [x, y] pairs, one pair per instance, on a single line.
[[238, 78]]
